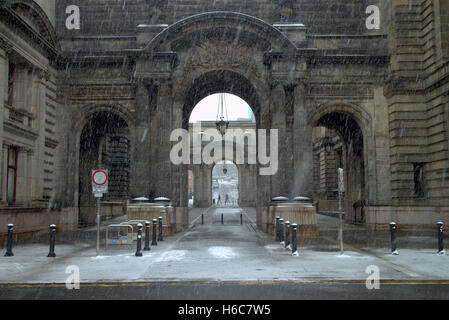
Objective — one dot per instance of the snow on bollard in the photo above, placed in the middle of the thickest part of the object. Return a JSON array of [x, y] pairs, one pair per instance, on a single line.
[[147, 236], [394, 251], [52, 253], [154, 242], [277, 229], [139, 240], [294, 245], [281, 231], [287, 235], [440, 238], [160, 236], [9, 243]]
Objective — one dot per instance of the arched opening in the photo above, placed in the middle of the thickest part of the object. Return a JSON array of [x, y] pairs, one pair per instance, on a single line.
[[104, 144], [241, 117], [225, 184], [338, 143]]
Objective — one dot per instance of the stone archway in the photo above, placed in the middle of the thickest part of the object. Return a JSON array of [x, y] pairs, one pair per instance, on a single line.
[[347, 130], [220, 52], [104, 142]]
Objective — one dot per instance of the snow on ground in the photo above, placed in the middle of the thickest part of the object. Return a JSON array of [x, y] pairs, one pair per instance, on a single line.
[[222, 252]]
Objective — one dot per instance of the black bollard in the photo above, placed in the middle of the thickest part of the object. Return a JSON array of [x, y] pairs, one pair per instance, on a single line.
[[160, 236], [52, 253], [139, 240], [440, 238], [154, 242], [222, 218], [147, 236], [294, 245], [9, 244], [241, 218], [287, 235], [202, 219], [281, 231], [277, 229], [394, 251]]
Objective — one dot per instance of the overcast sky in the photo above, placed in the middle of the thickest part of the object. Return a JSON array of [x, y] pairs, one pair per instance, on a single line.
[[206, 109]]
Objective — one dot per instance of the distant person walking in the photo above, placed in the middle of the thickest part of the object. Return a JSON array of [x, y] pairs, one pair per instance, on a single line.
[[226, 199], [219, 200]]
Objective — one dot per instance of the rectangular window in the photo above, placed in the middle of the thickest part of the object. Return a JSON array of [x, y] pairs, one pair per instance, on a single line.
[[12, 70], [12, 175], [418, 177]]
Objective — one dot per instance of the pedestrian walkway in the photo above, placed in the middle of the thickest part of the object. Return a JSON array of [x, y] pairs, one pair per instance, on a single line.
[[220, 252]]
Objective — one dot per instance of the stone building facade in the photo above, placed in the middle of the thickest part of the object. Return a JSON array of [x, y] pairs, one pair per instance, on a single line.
[[135, 69]]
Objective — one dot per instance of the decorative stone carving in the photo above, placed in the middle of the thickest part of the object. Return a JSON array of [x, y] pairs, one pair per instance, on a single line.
[[218, 55]]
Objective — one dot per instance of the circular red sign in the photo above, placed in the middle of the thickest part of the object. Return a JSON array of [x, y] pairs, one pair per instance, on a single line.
[[103, 176]]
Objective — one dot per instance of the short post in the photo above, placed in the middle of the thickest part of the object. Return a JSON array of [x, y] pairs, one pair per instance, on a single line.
[[294, 245], [9, 252], [202, 218], [52, 254], [222, 218], [394, 251], [139, 240], [147, 236], [160, 236], [278, 238], [241, 218], [281, 230], [154, 242], [287, 235], [440, 238]]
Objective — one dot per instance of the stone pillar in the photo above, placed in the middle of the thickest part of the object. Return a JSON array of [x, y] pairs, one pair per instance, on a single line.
[[4, 48], [161, 127], [39, 85], [303, 148], [179, 192], [4, 173], [141, 145], [278, 181]]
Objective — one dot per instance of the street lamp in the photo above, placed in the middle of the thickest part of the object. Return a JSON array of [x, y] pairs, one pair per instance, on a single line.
[[222, 122], [328, 144]]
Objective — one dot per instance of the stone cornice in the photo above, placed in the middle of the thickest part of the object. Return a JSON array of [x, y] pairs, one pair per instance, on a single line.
[[37, 40]]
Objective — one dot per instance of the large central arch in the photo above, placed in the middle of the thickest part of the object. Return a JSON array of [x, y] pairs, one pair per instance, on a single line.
[[205, 54]]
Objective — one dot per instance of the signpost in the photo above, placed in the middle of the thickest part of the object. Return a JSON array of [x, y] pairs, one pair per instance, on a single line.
[[100, 181], [341, 189]]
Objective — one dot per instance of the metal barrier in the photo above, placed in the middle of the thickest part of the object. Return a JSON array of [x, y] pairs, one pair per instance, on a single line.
[[134, 224], [122, 238]]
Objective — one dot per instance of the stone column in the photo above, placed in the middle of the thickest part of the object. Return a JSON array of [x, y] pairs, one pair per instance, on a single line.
[[302, 183], [277, 107], [39, 85], [161, 128], [4, 48], [141, 145], [4, 173]]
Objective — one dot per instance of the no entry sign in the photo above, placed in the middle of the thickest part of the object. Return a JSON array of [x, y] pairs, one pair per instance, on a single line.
[[100, 180]]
